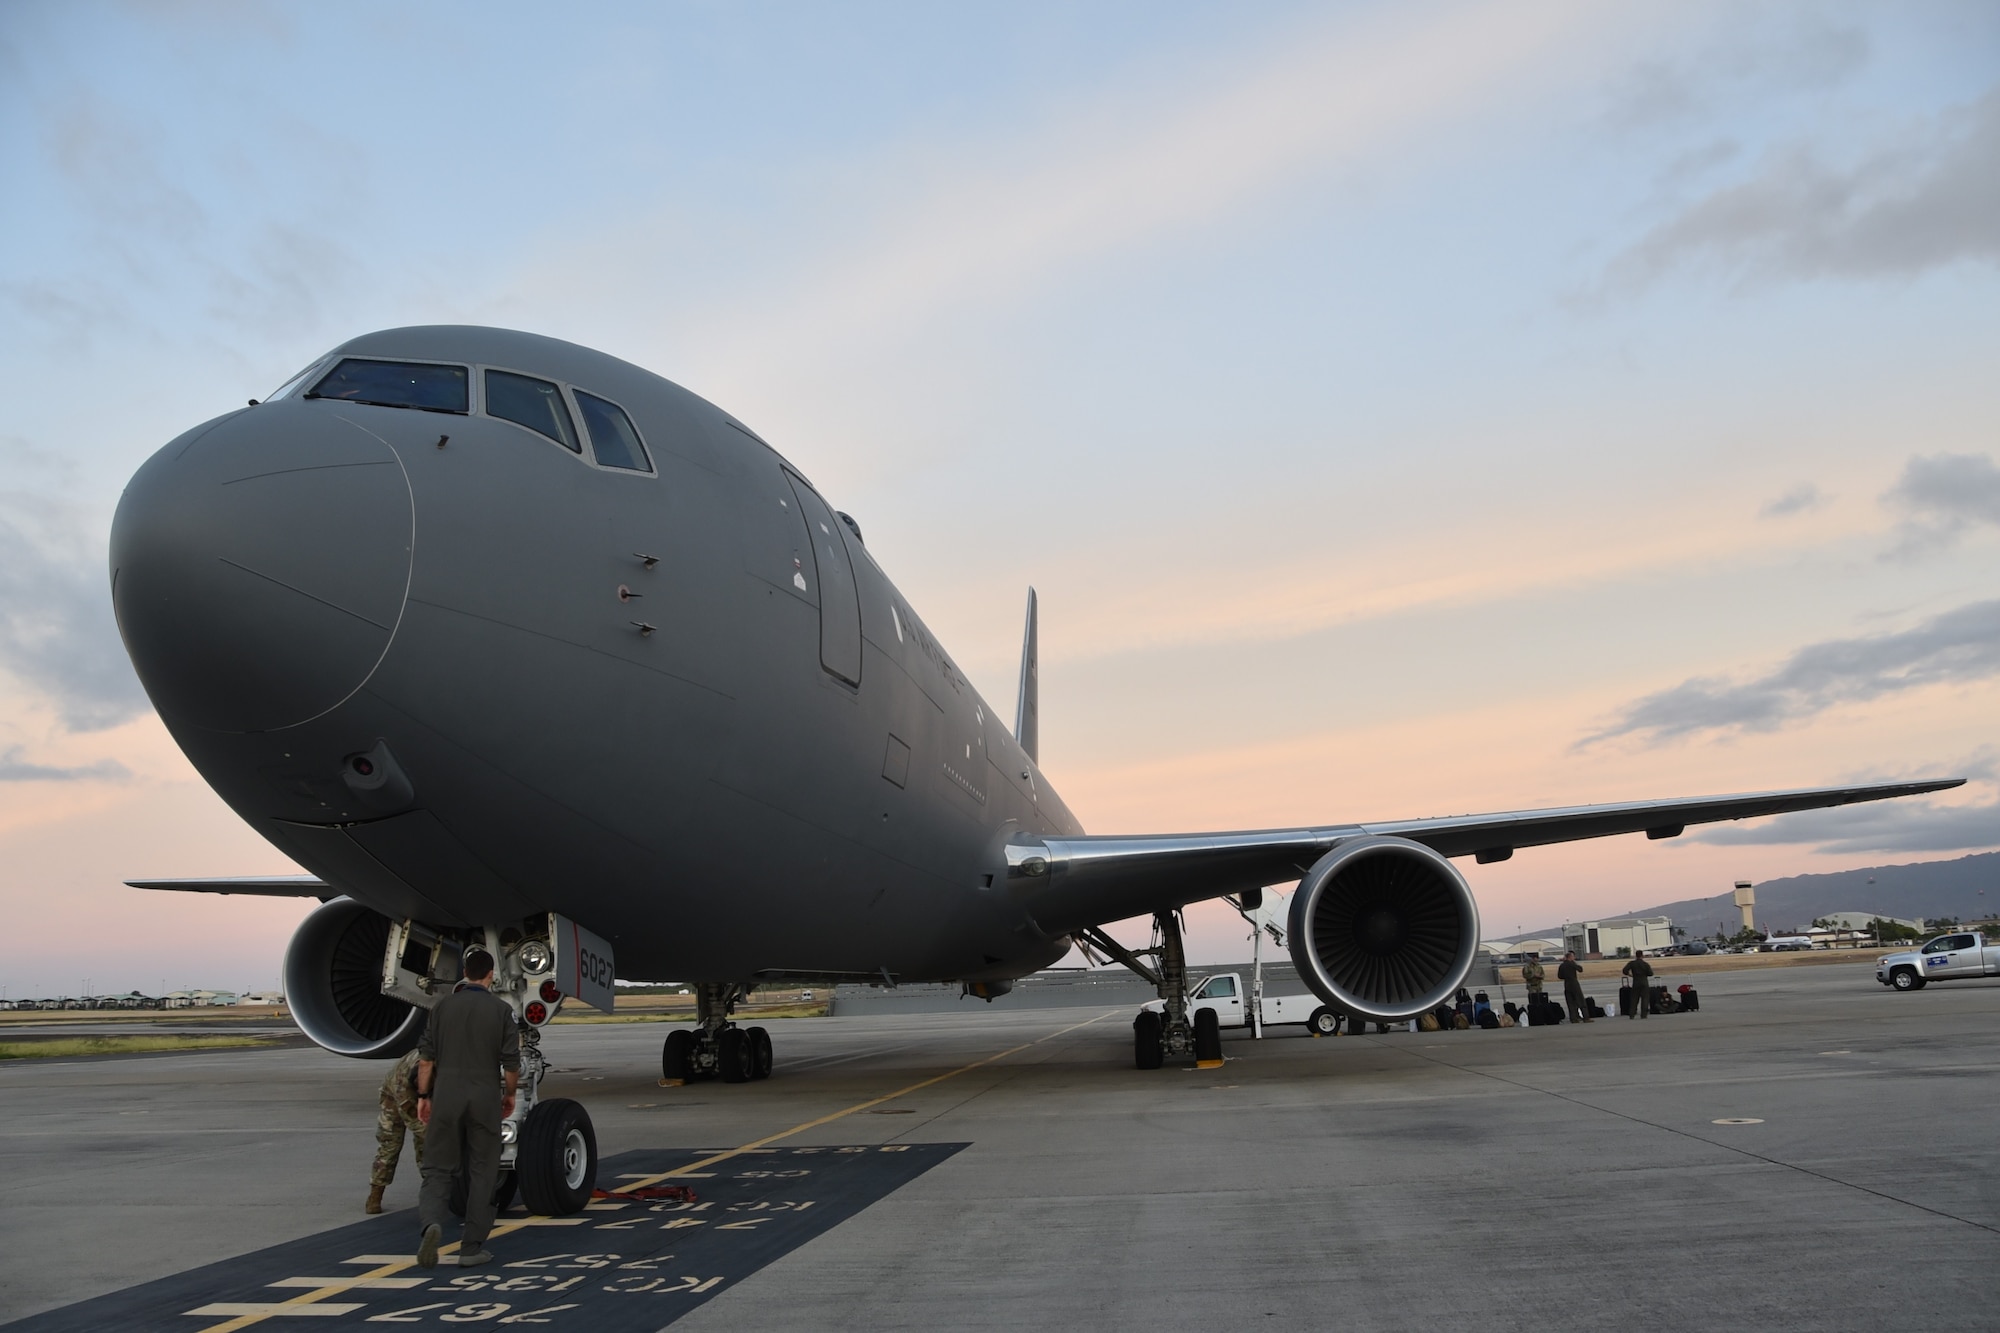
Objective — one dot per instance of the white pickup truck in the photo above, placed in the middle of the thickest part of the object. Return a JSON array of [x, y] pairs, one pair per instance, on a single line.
[[1946, 958], [1229, 996]]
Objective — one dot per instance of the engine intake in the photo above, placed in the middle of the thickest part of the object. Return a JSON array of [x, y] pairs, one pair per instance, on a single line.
[[1384, 927], [333, 983]]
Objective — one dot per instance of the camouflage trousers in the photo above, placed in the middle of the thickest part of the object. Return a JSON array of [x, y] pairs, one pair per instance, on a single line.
[[390, 1122]]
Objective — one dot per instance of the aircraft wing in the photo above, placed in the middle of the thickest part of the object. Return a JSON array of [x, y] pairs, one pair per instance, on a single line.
[[1087, 881], [263, 886]]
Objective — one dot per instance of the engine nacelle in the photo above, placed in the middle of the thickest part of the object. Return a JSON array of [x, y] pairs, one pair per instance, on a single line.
[[1384, 927], [333, 983]]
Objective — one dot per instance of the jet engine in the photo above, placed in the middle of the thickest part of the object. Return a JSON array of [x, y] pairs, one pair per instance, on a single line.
[[1384, 928], [333, 983]]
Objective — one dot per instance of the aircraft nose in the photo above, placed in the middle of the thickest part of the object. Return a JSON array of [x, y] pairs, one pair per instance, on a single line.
[[259, 566]]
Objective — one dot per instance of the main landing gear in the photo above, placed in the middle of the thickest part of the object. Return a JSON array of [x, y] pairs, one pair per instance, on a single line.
[[716, 1047], [1168, 1031]]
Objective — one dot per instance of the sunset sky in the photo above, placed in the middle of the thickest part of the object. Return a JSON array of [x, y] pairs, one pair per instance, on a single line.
[[1400, 409]]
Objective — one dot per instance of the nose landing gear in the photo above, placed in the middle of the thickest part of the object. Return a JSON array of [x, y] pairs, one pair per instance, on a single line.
[[716, 1047]]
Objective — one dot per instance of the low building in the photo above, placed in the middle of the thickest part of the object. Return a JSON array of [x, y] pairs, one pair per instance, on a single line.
[[1864, 920], [1600, 939], [1516, 951], [198, 999]]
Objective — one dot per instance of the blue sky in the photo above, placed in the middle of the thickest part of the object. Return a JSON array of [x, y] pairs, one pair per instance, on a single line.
[[1399, 409]]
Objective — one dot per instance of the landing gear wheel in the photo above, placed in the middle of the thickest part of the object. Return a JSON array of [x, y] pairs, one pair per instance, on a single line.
[[557, 1163], [503, 1193], [735, 1049], [1146, 1050], [760, 1053], [1904, 978], [1324, 1022], [677, 1057], [1207, 1036]]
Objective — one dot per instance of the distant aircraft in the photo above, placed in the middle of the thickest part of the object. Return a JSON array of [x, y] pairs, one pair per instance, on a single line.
[[513, 643]]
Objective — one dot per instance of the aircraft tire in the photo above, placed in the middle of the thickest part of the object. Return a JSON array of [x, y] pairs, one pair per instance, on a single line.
[[1324, 1022], [760, 1054], [677, 1057], [736, 1051], [1207, 1035], [1147, 1053], [557, 1161]]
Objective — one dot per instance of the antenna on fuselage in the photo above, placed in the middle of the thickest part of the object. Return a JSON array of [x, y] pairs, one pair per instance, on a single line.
[[1027, 710]]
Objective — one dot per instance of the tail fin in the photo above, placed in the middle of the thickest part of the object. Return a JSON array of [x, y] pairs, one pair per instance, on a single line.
[[1027, 711]]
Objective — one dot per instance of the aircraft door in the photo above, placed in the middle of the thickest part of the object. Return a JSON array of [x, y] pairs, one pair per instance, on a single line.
[[839, 602]]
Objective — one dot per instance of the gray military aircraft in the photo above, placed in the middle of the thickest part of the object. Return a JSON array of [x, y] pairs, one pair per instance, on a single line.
[[513, 643]]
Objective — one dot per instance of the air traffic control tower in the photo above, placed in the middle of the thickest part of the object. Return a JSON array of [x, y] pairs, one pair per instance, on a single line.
[[1746, 901]]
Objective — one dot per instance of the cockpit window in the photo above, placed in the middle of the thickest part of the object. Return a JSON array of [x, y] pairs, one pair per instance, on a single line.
[[396, 384], [612, 438], [536, 404], [291, 386]]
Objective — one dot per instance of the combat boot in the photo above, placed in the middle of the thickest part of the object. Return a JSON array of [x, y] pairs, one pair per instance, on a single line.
[[374, 1199]]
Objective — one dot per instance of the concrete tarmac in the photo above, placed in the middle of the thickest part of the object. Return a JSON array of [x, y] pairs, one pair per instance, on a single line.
[[1564, 1177]]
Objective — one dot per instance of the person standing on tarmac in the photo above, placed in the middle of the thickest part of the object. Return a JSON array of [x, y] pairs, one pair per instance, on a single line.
[[1534, 976], [398, 1114], [1570, 972], [470, 1039], [1641, 973]]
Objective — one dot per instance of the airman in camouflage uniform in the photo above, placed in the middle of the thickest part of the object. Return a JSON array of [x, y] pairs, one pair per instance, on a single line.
[[1533, 975], [399, 1112]]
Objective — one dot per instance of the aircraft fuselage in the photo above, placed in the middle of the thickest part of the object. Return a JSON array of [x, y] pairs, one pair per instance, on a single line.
[[467, 670]]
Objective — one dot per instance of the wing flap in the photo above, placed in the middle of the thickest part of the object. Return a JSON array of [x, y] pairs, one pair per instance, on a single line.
[[1071, 883], [262, 886]]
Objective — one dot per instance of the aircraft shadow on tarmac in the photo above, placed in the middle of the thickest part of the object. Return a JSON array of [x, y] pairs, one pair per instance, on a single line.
[[634, 1263]]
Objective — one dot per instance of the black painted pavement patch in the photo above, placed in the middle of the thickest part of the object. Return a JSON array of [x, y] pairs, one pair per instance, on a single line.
[[623, 1264]]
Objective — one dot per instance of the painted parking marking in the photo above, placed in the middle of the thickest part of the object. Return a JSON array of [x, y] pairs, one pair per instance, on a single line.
[[640, 1266]]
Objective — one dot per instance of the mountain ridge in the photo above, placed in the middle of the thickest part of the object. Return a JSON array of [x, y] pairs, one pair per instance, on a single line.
[[1966, 888]]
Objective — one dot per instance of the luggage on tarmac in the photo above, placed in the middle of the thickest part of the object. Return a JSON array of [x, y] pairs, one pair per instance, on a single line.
[[1427, 1023], [1592, 1007], [1488, 1019], [1690, 999], [1625, 1002]]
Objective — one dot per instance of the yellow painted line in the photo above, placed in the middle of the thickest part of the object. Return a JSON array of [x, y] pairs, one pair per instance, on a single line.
[[255, 1310], [367, 1283], [756, 1144], [246, 1318]]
